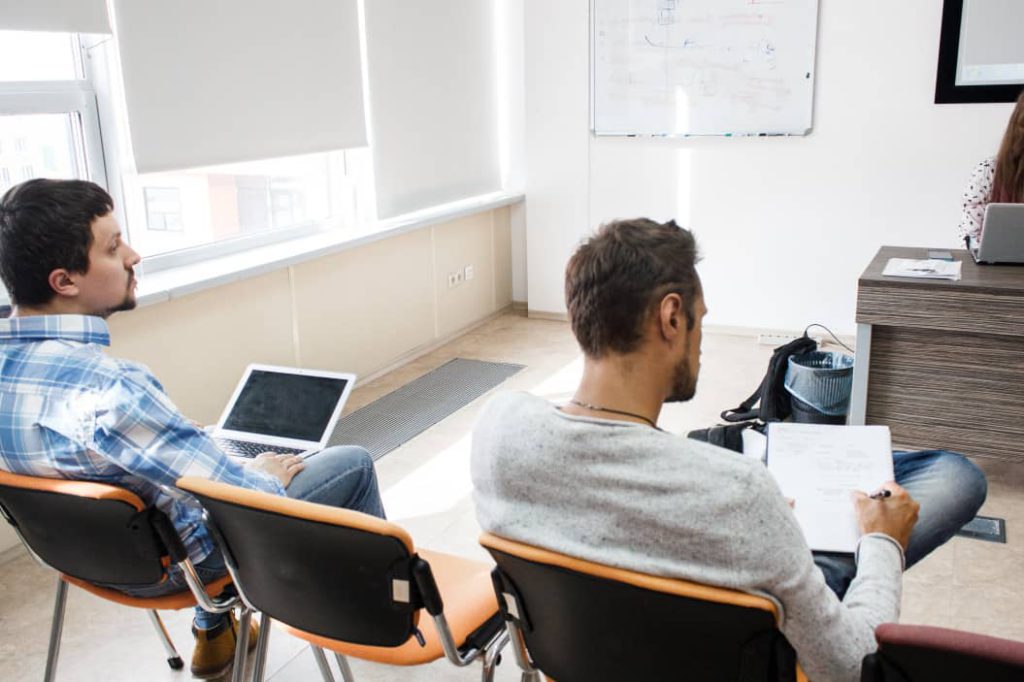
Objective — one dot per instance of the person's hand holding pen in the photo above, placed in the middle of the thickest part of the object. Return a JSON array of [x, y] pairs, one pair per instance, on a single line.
[[890, 510]]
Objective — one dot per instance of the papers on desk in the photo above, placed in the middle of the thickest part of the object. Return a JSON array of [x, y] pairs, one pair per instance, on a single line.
[[928, 268], [819, 467]]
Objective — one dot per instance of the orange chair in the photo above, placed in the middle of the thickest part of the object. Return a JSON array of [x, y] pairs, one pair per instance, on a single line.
[[350, 582], [96, 533], [574, 620]]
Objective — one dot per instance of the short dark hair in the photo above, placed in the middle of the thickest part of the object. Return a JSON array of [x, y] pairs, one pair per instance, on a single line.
[[46, 225], [616, 276]]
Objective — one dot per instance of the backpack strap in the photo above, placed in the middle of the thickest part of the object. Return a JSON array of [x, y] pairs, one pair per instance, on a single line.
[[745, 410]]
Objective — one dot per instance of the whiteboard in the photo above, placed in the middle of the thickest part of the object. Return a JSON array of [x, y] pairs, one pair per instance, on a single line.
[[703, 67]]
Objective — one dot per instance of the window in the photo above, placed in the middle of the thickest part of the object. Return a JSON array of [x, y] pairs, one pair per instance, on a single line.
[[243, 204], [176, 217], [48, 121], [56, 90]]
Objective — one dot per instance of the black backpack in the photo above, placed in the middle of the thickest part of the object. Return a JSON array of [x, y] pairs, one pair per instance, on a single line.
[[769, 403], [771, 397]]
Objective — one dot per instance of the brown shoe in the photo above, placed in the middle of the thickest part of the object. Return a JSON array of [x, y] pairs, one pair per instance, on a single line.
[[215, 648]]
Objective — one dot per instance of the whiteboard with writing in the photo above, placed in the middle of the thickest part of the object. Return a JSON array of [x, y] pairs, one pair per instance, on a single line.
[[703, 67]]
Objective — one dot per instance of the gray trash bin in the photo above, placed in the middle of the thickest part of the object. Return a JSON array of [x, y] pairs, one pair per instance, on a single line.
[[820, 383]]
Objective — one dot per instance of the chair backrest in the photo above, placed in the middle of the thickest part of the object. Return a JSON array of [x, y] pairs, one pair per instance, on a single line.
[[919, 653], [332, 572], [92, 531], [586, 621]]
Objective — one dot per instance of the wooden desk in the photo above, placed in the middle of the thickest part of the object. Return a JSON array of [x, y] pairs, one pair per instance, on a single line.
[[942, 363]]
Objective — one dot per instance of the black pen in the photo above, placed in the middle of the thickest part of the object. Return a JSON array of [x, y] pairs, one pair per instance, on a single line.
[[881, 494]]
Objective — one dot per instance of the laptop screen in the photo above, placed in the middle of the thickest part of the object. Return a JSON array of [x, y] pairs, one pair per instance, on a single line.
[[285, 405]]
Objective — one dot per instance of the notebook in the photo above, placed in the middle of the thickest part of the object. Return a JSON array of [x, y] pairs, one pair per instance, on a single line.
[[1002, 236], [819, 467], [282, 409]]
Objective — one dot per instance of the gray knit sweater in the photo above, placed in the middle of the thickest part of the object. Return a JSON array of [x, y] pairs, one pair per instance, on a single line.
[[629, 496]]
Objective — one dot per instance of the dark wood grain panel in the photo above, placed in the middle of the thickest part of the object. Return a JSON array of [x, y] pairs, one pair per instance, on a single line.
[[942, 308], [952, 390]]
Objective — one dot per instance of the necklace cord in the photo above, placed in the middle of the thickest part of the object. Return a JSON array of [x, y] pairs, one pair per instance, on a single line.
[[598, 408]]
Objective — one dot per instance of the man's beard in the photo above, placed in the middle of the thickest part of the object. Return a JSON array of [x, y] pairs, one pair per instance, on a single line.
[[684, 383], [129, 302]]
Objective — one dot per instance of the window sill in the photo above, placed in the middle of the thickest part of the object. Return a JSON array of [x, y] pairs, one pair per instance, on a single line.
[[188, 279]]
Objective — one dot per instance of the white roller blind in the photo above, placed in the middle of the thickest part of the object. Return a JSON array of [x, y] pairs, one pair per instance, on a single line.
[[216, 81], [433, 101], [67, 16]]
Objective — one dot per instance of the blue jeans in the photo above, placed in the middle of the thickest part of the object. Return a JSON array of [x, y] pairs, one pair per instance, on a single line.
[[341, 476], [950, 490]]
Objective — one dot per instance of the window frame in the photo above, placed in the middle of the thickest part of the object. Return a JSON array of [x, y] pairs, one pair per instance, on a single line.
[[62, 97]]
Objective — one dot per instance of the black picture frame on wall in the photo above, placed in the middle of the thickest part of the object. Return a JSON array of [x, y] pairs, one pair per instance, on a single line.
[[946, 89]]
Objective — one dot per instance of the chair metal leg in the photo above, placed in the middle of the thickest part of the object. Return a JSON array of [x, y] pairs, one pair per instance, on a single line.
[[492, 656], [173, 659], [346, 671], [530, 674], [262, 645], [487, 675], [321, 662], [55, 630], [241, 645]]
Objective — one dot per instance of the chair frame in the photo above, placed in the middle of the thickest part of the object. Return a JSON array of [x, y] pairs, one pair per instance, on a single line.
[[489, 653], [177, 556], [511, 608]]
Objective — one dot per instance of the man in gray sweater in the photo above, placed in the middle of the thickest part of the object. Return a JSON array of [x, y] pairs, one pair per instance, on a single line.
[[597, 479]]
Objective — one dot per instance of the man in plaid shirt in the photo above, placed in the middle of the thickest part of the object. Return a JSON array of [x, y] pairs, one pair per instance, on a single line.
[[68, 410]]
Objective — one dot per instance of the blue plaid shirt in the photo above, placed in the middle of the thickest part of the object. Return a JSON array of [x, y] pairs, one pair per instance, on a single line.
[[67, 410]]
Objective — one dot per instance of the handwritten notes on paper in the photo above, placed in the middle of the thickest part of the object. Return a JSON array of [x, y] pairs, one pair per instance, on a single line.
[[820, 467]]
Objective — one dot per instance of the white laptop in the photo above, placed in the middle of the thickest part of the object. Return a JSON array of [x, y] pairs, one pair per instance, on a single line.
[[282, 409], [1002, 236]]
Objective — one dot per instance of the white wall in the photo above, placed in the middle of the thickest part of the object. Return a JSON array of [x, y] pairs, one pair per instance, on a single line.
[[510, 46], [785, 225]]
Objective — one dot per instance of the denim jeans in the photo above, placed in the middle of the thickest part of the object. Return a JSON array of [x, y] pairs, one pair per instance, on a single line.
[[950, 490], [341, 476]]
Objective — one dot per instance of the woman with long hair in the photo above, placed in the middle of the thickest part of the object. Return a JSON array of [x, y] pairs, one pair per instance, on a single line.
[[998, 180]]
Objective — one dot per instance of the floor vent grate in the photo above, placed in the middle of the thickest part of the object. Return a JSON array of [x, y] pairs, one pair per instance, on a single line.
[[397, 417]]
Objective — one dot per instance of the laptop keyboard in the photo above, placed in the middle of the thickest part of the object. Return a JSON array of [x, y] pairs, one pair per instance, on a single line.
[[243, 448]]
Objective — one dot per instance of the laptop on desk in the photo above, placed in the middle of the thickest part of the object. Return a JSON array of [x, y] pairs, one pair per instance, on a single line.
[[1002, 235], [282, 409]]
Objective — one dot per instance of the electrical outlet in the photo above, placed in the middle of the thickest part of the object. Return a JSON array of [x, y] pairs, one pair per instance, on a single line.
[[775, 339], [451, 280], [459, 276], [470, 274]]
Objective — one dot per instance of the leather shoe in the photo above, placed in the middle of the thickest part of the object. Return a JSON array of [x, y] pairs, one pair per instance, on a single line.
[[214, 652]]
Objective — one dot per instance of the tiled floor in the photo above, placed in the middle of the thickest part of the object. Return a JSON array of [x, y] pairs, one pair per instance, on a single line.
[[967, 584]]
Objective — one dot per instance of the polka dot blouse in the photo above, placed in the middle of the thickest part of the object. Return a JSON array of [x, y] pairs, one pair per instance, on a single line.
[[976, 198]]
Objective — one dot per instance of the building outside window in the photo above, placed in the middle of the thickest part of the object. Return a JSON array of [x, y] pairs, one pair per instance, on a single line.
[[163, 209]]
